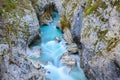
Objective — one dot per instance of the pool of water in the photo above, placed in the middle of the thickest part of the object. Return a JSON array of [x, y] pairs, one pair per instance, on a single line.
[[51, 52]]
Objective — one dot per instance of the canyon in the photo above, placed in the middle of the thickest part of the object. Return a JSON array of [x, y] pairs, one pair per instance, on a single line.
[[92, 26]]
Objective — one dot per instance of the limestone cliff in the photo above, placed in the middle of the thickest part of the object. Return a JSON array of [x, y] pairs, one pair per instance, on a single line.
[[19, 26], [97, 30], [101, 39], [99, 35], [94, 25]]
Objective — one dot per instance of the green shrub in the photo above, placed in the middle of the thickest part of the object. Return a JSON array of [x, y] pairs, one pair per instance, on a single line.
[[7, 5]]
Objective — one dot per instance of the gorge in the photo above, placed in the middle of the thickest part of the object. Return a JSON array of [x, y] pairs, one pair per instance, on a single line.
[[59, 40], [51, 52]]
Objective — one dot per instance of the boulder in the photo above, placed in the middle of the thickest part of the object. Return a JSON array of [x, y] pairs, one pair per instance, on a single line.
[[68, 60], [57, 39], [72, 48]]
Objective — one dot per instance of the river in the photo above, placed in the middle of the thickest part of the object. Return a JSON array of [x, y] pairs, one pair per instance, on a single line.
[[52, 51]]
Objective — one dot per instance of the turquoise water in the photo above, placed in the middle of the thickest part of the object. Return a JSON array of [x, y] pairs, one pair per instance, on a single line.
[[49, 33], [52, 52]]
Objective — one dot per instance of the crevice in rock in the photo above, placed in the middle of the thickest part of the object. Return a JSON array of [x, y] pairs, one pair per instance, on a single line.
[[44, 15], [50, 7], [47, 14], [117, 67], [35, 39]]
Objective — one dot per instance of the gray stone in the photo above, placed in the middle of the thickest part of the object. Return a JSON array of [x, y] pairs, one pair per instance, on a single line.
[[57, 39], [67, 36], [34, 51], [68, 60], [72, 48]]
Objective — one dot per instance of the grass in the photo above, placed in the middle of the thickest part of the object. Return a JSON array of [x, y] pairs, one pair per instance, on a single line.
[[64, 22]]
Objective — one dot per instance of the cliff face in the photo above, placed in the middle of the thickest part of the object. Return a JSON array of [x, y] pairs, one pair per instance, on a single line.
[[97, 31], [71, 19], [95, 28], [70, 16], [99, 35], [101, 39], [19, 26]]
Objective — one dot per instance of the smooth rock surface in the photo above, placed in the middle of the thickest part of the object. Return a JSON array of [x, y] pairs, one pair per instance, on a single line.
[[72, 48], [68, 60]]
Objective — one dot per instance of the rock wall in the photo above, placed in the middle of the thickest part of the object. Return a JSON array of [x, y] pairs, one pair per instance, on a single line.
[[69, 12], [19, 26], [70, 20], [101, 39], [95, 28], [99, 35]]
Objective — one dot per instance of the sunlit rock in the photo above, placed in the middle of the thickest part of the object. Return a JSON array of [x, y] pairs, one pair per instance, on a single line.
[[59, 25], [72, 48], [57, 39], [101, 39], [67, 36], [68, 60], [34, 52], [35, 63]]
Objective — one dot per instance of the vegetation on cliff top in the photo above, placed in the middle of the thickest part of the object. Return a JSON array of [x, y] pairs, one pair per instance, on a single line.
[[7, 5], [92, 7], [64, 23]]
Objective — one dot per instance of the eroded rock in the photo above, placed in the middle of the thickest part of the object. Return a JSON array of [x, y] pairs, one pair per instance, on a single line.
[[72, 48], [100, 56], [68, 60], [34, 51], [57, 39], [67, 36]]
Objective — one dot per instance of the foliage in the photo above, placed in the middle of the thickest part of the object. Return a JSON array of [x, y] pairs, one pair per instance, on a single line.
[[7, 5], [64, 22], [93, 7]]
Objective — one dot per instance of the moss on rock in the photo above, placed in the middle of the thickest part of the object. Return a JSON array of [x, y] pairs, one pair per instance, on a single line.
[[93, 7], [64, 23], [112, 43], [7, 5], [101, 34]]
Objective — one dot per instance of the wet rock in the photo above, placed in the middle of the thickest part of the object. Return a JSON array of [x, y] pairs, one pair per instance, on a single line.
[[46, 19], [57, 39], [67, 36], [72, 48], [35, 39], [47, 16], [34, 52], [59, 25], [68, 60]]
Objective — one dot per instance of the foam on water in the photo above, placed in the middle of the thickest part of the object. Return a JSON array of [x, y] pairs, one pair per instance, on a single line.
[[51, 52]]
